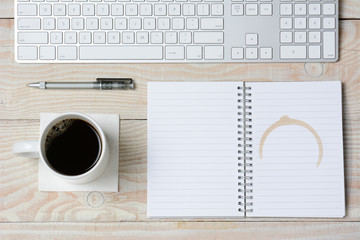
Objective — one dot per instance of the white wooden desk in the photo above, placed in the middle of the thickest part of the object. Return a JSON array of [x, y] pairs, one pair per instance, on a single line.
[[27, 213]]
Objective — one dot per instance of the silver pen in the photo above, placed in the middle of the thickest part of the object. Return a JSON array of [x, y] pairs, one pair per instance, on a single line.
[[100, 84]]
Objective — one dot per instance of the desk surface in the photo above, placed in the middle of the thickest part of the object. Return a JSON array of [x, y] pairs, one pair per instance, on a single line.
[[25, 212]]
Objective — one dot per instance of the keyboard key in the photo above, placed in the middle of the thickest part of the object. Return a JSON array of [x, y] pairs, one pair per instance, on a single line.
[[286, 23], [171, 37], [194, 52], [85, 37], [63, 24], [329, 9], [47, 53], [251, 53], [300, 9], [293, 52], [121, 52], [92, 23], [160, 9], [185, 37], [146, 10], [251, 9], [217, 9], [237, 9], [214, 52], [88, 10], [59, 9], [113, 38], [285, 9], [174, 52], [49, 23], [74, 9], [266, 53], [178, 24], [156, 37], [300, 23], [286, 37], [208, 37], [135, 23], [212, 23], [188, 9], [314, 37], [149, 23], [33, 37], [163, 23], [70, 38], [266, 9], [117, 10], [103, 10], [237, 53], [329, 45], [314, 52], [192, 23], [314, 9], [174, 9], [203, 9], [329, 23], [67, 53], [29, 24], [77, 23], [120, 23], [27, 9], [300, 37], [56, 38], [128, 37], [27, 53], [142, 37], [45, 10], [251, 39], [314, 23]]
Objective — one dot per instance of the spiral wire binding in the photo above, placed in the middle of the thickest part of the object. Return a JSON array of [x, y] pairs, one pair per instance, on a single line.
[[241, 149], [248, 153]]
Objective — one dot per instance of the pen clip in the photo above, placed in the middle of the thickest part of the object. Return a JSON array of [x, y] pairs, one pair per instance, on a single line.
[[127, 81]]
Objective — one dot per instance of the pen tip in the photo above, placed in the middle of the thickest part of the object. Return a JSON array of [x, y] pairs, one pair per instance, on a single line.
[[34, 85]]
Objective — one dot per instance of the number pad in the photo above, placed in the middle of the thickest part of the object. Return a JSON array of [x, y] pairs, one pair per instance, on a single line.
[[302, 24]]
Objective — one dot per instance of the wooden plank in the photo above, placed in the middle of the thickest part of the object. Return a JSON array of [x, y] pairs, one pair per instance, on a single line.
[[181, 230], [7, 9], [20, 102], [21, 201], [348, 9]]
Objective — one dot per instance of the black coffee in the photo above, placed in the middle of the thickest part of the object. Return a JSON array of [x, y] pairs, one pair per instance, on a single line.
[[72, 147]]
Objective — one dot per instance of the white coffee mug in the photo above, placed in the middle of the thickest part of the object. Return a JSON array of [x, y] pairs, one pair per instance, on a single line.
[[36, 149]]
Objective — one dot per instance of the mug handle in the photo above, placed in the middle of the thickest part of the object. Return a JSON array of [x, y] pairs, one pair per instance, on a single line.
[[28, 149]]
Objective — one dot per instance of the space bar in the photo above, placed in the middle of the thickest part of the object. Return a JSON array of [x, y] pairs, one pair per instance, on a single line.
[[120, 52]]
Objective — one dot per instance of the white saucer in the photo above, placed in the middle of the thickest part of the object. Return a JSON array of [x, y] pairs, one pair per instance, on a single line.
[[108, 181]]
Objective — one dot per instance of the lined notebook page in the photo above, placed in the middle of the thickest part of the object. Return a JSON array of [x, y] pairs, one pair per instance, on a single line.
[[287, 180], [193, 149]]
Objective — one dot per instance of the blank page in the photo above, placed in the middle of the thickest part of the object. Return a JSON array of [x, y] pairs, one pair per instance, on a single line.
[[300, 173], [193, 149]]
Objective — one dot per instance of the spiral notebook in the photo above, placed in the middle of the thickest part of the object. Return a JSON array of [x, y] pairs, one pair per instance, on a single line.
[[245, 149]]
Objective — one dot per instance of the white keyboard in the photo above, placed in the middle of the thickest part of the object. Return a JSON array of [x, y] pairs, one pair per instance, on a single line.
[[120, 31]]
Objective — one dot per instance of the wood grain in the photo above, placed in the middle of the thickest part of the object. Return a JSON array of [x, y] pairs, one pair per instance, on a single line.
[[181, 230], [6, 8], [348, 9], [21, 201], [27, 213]]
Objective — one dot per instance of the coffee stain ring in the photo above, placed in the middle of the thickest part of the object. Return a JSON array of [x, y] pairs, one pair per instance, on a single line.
[[285, 121]]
